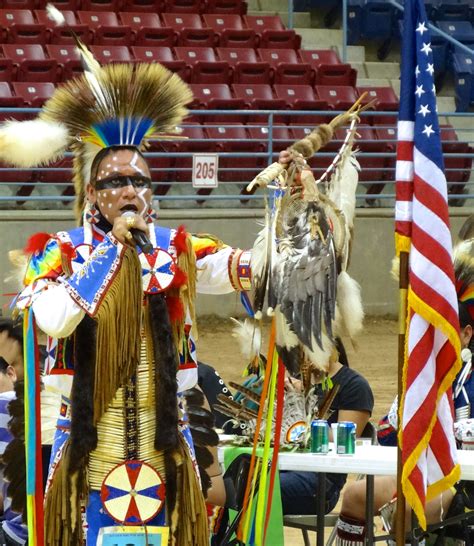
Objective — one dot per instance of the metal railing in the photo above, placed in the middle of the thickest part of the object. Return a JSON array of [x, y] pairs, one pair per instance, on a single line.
[[171, 166]]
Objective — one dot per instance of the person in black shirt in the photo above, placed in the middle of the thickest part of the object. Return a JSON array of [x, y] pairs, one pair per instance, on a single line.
[[353, 402]]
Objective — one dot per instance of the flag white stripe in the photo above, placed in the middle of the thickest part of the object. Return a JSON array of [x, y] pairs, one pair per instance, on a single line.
[[422, 384], [430, 173], [404, 171], [403, 211], [431, 223], [434, 470], [406, 130], [433, 276]]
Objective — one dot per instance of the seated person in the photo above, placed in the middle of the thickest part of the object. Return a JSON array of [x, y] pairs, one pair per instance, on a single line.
[[354, 402], [351, 526], [12, 529]]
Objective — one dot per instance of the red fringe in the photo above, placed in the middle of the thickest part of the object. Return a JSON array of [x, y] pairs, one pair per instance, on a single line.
[[36, 242], [68, 251], [175, 308], [180, 278], [180, 240]]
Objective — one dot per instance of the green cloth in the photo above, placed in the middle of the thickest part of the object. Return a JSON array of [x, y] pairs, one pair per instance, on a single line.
[[275, 525]]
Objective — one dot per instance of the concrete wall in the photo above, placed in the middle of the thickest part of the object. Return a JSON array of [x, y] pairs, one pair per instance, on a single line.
[[373, 247]]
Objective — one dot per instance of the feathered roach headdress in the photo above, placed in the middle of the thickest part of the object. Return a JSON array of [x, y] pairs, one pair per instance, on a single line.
[[114, 105]]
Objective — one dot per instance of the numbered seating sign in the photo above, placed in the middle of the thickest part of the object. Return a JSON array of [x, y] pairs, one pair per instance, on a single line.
[[205, 170]]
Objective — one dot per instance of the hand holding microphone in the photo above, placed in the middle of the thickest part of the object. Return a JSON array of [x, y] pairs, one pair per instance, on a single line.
[[134, 228]]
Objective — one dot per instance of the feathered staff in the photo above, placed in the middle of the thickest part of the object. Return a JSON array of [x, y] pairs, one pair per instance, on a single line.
[[297, 262]]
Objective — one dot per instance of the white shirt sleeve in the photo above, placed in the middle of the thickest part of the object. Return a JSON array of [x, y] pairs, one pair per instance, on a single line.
[[56, 313], [213, 273]]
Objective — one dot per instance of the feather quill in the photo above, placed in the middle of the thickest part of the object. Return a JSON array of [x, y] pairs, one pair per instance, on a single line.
[[349, 302], [55, 15], [249, 337]]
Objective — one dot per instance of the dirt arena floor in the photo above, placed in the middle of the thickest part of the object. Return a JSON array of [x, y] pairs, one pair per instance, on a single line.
[[375, 357]]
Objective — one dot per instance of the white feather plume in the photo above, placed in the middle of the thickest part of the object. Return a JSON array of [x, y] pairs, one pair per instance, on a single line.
[[55, 15], [349, 302], [320, 357], [285, 337], [249, 337], [33, 142]]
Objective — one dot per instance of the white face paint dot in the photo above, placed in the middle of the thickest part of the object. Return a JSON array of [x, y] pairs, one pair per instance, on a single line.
[[110, 205], [102, 172], [114, 158], [109, 165], [115, 168], [107, 173], [113, 192], [101, 204]]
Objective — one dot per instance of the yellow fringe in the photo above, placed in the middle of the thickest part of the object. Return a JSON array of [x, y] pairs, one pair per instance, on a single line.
[[402, 243], [189, 520], [118, 333]]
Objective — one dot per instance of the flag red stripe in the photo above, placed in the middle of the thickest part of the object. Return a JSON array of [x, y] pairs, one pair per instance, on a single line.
[[431, 199], [405, 150], [423, 291]]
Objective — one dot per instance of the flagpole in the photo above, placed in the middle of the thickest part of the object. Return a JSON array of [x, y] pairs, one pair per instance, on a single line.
[[402, 323]]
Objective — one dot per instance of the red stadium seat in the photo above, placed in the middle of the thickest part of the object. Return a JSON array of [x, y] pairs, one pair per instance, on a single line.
[[101, 5], [336, 97], [282, 137], [148, 6], [34, 94], [72, 5], [111, 54], [62, 173], [258, 96], [191, 32], [147, 29], [7, 70], [107, 28], [20, 27], [178, 21], [271, 32], [31, 62], [7, 98], [336, 74], [230, 30], [245, 64], [287, 68], [318, 163], [164, 56], [184, 6], [62, 34], [318, 57], [206, 68], [215, 96], [386, 99], [233, 137], [299, 97], [18, 4], [195, 140], [68, 59], [226, 6]]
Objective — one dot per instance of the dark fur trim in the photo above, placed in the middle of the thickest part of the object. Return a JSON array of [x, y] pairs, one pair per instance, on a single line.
[[171, 482], [204, 436], [83, 431], [166, 385]]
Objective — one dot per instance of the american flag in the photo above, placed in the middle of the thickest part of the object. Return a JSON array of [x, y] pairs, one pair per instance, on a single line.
[[422, 227]]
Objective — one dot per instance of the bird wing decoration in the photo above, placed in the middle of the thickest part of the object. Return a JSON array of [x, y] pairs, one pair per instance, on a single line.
[[304, 250], [306, 289]]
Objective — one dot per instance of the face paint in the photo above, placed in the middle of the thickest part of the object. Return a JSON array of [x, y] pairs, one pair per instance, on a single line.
[[117, 182], [134, 165]]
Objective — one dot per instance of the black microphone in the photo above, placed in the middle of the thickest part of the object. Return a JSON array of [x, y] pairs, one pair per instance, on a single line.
[[139, 236]]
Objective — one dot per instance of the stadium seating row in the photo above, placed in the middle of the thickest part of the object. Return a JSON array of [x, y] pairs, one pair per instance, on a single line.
[[181, 6], [169, 29], [53, 62], [253, 138], [237, 96]]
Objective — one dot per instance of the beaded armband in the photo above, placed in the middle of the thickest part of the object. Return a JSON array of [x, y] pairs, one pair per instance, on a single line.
[[239, 269]]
